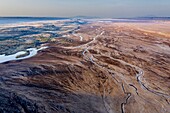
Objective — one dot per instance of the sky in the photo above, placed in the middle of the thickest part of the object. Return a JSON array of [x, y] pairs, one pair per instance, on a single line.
[[97, 8]]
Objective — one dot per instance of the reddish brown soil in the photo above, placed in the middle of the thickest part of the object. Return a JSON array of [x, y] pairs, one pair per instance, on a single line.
[[124, 70]]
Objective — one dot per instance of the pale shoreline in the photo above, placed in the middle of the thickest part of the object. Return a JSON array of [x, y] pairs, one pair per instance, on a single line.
[[32, 51], [33, 23], [13, 57]]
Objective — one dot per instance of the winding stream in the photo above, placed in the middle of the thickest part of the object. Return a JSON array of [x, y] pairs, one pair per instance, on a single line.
[[139, 75]]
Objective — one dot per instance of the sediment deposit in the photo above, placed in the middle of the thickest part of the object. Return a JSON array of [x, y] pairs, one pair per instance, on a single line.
[[103, 67]]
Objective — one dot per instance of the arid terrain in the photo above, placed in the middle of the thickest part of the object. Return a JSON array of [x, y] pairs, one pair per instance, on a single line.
[[100, 67]]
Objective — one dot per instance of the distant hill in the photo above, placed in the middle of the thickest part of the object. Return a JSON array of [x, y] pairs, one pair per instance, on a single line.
[[35, 18], [151, 18]]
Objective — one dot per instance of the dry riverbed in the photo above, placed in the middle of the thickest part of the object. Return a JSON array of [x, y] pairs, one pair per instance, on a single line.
[[103, 67]]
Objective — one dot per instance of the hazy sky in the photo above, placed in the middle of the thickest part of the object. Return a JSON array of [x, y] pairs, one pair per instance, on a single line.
[[67, 8]]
